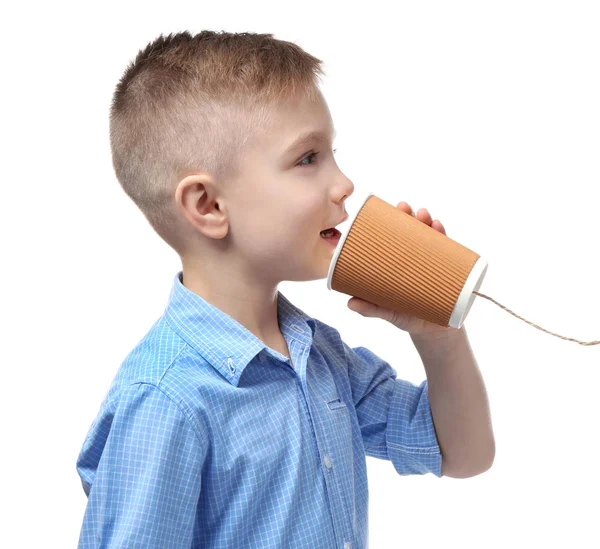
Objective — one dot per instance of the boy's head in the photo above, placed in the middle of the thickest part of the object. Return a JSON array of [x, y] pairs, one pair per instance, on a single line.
[[199, 130]]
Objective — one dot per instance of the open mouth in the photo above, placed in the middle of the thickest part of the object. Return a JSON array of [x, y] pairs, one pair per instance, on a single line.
[[330, 233]]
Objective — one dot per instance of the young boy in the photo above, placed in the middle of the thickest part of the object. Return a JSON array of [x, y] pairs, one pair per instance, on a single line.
[[239, 421]]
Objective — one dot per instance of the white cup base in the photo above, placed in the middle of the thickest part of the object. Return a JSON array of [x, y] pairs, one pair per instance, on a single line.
[[466, 297]]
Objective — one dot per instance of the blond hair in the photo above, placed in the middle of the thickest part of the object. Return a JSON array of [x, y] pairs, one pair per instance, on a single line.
[[190, 103]]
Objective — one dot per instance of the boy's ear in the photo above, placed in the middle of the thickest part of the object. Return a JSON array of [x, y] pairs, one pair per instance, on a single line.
[[197, 198]]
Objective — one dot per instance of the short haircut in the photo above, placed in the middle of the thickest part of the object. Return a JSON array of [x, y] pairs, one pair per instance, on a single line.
[[190, 103]]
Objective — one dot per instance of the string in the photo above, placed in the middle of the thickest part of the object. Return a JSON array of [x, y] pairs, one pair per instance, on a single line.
[[536, 326]]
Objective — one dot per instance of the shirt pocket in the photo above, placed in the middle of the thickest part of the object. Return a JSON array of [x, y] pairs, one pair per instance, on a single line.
[[337, 429], [336, 404]]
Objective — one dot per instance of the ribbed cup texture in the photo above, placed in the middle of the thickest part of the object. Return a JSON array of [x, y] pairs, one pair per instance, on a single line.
[[396, 261]]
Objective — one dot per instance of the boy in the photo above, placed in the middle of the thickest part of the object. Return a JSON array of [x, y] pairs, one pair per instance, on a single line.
[[238, 421]]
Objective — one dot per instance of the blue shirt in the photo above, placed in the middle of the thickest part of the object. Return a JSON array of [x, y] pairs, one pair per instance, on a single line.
[[209, 438]]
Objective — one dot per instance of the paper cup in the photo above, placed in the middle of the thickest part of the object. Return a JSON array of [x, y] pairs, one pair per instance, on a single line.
[[390, 258]]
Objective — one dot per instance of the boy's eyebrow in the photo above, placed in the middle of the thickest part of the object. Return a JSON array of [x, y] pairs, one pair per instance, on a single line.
[[304, 138]]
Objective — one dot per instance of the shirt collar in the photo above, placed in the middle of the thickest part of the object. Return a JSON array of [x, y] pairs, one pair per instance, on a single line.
[[225, 343]]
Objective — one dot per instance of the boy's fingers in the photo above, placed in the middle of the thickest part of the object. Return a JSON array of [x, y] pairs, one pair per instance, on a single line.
[[437, 225], [424, 216], [405, 208]]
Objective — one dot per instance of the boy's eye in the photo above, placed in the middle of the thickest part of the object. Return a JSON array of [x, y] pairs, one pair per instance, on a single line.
[[311, 156]]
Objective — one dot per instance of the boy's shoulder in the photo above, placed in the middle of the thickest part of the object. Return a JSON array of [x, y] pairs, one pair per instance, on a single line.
[[165, 359], [151, 357], [154, 360]]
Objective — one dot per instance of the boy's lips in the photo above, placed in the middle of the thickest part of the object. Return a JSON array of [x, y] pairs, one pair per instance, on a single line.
[[333, 235], [338, 223]]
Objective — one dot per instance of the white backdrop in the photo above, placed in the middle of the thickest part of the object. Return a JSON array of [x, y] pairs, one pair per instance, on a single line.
[[486, 113]]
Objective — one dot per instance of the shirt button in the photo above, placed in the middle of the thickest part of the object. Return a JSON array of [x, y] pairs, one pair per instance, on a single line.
[[328, 462], [347, 545]]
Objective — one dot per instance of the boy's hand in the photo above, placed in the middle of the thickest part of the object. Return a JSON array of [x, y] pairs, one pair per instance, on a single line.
[[409, 323]]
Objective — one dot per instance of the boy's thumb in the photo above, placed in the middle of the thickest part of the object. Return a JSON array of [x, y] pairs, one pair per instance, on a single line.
[[358, 306], [368, 309]]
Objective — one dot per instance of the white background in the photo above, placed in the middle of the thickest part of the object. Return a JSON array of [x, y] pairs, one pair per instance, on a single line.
[[486, 113]]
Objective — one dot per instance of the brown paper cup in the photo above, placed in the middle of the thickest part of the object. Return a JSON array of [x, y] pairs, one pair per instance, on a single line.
[[390, 258]]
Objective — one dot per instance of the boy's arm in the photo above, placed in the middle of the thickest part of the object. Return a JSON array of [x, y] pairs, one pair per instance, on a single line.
[[145, 478], [457, 395], [458, 401], [393, 414], [454, 397]]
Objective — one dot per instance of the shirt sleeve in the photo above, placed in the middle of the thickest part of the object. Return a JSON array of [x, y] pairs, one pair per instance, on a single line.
[[394, 415], [147, 459]]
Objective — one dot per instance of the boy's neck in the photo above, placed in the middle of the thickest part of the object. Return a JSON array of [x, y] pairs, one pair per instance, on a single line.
[[253, 306]]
